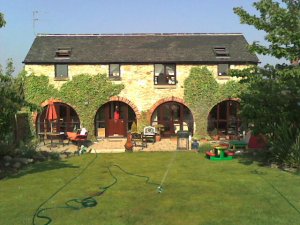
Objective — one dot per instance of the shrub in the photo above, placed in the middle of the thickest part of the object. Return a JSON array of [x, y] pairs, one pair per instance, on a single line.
[[294, 156], [285, 145], [27, 149], [204, 147], [54, 156], [133, 127], [6, 149]]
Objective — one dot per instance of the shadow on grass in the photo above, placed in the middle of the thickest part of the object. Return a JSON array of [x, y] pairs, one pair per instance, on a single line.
[[42, 167], [260, 157], [263, 158]]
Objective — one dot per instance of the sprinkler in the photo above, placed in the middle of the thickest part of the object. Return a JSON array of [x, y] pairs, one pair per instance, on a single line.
[[160, 189]]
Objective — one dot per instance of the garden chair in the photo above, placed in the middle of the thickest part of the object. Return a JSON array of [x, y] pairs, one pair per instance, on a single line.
[[138, 140], [79, 138], [149, 134]]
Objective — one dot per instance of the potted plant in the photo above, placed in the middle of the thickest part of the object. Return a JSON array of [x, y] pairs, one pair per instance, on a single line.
[[214, 134], [159, 128], [134, 127]]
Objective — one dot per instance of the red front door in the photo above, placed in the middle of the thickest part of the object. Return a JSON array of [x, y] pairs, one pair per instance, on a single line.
[[115, 124], [116, 127]]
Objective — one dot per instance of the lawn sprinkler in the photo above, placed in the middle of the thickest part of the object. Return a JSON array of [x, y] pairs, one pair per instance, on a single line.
[[82, 150], [160, 189]]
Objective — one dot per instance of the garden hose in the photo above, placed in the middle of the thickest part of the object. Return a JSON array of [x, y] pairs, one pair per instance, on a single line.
[[39, 210], [88, 202]]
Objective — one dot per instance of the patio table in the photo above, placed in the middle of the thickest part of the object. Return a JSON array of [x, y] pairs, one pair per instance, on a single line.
[[222, 155], [234, 144], [42, 137], [55, 136], [222, 150]]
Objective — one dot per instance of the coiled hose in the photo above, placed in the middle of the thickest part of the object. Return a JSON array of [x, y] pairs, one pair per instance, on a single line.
[[80, 203]]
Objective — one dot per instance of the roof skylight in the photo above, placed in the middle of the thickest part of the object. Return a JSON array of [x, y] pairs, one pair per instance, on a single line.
[[63, 53], [221, 51]]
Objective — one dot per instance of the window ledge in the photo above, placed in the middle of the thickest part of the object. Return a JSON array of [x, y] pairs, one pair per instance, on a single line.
[[115, 78], [224, 77], [61, 78], [166, 86]]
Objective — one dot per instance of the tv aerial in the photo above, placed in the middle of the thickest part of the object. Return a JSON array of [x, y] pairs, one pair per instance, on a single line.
[[34, 20]]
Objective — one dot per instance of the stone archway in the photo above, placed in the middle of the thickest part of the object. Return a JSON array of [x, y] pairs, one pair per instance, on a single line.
[[68, 119], [223, 118], [106, 123], [126, 101], [173, 114]]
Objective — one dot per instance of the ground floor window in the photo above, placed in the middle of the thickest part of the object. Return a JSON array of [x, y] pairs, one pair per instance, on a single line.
[[224, 118], [67, 119], [173, 116], [114, 119]]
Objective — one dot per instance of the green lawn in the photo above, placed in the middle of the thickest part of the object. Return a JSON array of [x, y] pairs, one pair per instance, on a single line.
[[196, 191]]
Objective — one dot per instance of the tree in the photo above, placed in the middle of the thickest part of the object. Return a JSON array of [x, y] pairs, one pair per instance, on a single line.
[[281, 22], [272, 101], [272, 97], [11, 101], [2, 20]]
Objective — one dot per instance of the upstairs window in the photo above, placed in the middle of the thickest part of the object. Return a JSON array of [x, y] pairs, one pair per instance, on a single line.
[[223, 69], [164, 74], [114, 71], [61, 71], [63, 53], [221, 52]]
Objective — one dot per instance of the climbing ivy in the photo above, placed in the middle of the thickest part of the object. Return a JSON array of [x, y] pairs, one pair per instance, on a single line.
[[37, 89], [202, 92], [85, 93]]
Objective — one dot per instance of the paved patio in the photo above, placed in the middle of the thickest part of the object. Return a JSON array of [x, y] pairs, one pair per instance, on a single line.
[[109, 145]]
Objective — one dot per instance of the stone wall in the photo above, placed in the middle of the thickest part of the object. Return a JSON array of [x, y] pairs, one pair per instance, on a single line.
[[73, 70], [138, 80], [140, 88]]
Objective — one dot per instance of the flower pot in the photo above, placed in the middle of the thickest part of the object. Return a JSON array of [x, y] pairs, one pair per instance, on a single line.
[[216, 137], [128, 145], [157, 137]]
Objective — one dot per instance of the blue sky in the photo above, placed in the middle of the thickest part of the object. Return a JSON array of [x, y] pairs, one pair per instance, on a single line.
[[117, 16]]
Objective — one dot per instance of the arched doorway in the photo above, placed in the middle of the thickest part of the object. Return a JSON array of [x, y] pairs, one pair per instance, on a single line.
[[108, 123], [174, 116], [67, 120], [224, 118]]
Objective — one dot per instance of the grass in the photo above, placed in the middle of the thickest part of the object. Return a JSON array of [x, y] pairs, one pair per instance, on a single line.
[[196, 191]]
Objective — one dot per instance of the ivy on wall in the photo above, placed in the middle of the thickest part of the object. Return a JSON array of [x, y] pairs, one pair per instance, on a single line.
[[202, 92], [85, 93], [37, 89]]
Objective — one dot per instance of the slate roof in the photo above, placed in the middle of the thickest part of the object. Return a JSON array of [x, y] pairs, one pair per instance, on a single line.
[[140, 48]]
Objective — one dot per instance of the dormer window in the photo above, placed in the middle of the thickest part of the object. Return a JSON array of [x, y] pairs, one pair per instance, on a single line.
[[221, 52], [63, 53]]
